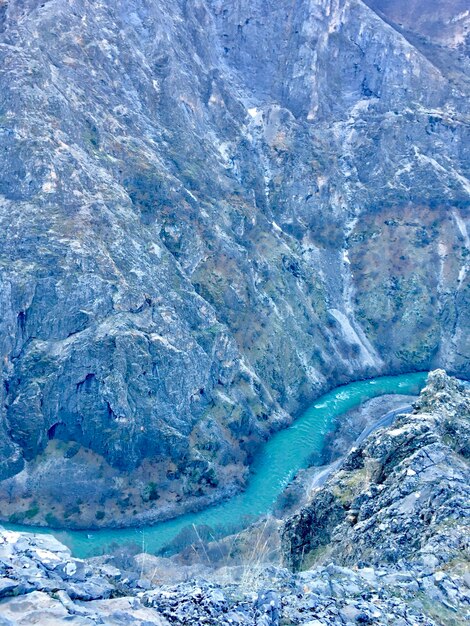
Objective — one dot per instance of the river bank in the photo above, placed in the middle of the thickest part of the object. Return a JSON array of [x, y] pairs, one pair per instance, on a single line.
[[276, 464]]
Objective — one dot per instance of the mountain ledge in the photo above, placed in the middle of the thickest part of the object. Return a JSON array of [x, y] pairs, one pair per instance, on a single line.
[[401, 498]]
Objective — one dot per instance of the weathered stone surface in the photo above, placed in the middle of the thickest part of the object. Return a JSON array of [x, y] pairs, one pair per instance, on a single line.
[[209, 213], [40, 583], [357, 423], [269, 596], [439, 29], [40, 608], [402, 512]]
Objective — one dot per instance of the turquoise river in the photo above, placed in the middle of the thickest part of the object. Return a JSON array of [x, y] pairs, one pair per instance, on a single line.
[[278, 461]]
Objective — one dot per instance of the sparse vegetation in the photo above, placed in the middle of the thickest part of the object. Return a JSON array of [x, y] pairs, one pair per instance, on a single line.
[[150, 492]]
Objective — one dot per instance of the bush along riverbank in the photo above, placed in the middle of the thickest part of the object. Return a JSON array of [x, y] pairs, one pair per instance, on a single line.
[[382, 541]]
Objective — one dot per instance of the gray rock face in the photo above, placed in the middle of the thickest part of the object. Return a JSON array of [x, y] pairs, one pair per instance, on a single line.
[[210, 213], [40, 583], [399, 502], [358, 423], [438, 29]]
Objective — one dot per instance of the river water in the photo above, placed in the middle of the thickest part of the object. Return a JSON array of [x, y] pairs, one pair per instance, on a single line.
[[278, 461]]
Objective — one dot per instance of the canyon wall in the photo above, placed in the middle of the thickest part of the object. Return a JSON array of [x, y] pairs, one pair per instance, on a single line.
[[211, 212]]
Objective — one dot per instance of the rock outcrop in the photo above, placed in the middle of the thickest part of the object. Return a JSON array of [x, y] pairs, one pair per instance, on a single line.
[[40, 583], [211, 212], [399, 503]]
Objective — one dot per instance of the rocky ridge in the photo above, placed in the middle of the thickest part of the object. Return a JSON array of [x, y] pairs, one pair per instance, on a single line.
[[210, 213], [385, 551], [400, 500]]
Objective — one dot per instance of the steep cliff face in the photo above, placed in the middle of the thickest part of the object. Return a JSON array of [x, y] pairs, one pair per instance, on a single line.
[[210, 213], [401, 496], [440, 30]]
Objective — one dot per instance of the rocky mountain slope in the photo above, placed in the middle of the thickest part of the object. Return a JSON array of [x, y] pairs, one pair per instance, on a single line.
[[438, 28], [389, 549], [400, 501], [210, 213]]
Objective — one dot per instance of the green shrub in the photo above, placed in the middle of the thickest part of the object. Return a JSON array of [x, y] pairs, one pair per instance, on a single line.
[[32, 512], [150, 493], [51, 520]]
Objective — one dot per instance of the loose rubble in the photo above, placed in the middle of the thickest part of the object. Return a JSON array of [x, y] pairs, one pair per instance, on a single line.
[[42, 584]]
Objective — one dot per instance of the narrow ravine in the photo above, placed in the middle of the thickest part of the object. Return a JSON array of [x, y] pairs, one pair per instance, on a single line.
[[279, 460]]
